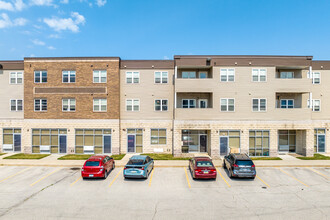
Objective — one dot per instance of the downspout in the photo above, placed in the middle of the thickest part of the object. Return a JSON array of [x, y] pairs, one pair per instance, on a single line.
[[173, 119]]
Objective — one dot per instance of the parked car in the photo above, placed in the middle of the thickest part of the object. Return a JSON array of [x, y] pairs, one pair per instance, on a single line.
[[138, 167], [202, 168], [98, 166], [239, 165]]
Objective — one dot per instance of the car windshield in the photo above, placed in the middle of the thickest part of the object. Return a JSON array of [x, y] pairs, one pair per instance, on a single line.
[[135, 162], [204, 164], [92, 163], [244, 162]]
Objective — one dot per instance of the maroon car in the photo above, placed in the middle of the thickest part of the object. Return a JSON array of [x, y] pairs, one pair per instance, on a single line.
[[97, 166], [202, 168]]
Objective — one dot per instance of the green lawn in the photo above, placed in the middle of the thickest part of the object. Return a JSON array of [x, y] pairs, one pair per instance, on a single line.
[[166, 157], [86, 156], [265, 158], [27, 156], [316, 157], [2, 154]]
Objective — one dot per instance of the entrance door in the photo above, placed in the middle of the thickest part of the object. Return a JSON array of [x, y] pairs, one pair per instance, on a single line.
[[224, 146], [203, 143], [17, 142], [321, 143], [131, 143], [107, 143], [62, 144], [203, 103]]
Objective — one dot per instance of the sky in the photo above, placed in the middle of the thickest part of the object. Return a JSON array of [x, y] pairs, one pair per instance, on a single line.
[[159, 29]]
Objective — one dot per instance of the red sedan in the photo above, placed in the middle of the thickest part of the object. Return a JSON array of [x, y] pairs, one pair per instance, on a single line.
[[97, 166], [202, 168]]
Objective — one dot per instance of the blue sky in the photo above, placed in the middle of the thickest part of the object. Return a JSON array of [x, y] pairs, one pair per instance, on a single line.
[[159, 29]]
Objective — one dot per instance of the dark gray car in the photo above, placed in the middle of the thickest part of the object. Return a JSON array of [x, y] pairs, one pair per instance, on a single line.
[[239, 165]]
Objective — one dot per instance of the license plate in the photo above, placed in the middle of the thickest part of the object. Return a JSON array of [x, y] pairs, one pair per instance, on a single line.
[[91, 175], [245, 170], [133, 171], [206, 171]]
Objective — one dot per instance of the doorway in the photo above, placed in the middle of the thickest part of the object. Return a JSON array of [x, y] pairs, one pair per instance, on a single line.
[[134, 140], [224, 145]]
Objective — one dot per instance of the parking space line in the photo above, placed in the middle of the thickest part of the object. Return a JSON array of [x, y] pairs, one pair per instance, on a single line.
[[223, 178], [185, 170], [115, 177], [262, 181], [152, 173], [76, 181], [15, 174], [44, 177], [293, 177], [319, 173]]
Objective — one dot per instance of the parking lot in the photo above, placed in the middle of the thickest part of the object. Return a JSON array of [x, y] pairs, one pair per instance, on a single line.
[[169, 193]]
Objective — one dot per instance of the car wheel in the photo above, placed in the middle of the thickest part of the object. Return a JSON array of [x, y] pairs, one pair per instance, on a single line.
[[147, 175], [113, 166], [230, 174], [224, 165], [105, 174]]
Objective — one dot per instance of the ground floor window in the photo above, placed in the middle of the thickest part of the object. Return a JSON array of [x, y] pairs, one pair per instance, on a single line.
[[319, 140], [229, 141], [158, 136], [287, 141], [49, 140], [194, 141], [11, 139], [259, 143], [93, 141], [134, 140]]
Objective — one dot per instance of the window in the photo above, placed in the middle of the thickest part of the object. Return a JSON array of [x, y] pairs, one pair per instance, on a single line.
[[227, 105], [95, 141], [287, 141], [203, 75], [287, 103], [68, 76], [68, 105], [16, 105], [286, 75], [188, 75], [40, 105], [132, 77], [233, 139], [188, 103], [259, 105], [40, 76], [258, 143], [319, 140], [100, 105], [132, 105], [316, 105], [161, 77], [11, 140], [161, 105], [227, 75], [16, 77], [259, 75], [316, 78], [158, 136], [99, 76], [48, 140]]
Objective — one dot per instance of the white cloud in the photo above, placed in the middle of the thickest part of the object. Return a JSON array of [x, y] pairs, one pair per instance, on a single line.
[[38, 42], [6, 6], [51, 48], [5, 21], [60, 24], [64, 1], [19, 5], [101, 3], [41, 2], [55, 36]]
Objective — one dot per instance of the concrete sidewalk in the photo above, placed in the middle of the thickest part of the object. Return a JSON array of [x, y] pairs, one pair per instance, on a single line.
[[52, 161]]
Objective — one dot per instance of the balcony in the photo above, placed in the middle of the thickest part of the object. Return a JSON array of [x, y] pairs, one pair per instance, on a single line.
[[292, 114], [299, 85], [194, 113], [194, 85]]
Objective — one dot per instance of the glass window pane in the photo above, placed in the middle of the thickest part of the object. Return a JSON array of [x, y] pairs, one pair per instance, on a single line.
[[139, 139], [154, 132], [89, 140], [98, 140], [35, 140], [7, 139], [79, 140], [234, 133], [54, 140], [162, 132], [234, 142], [79, 131], [162, 140], [283, 140], [45, 140]]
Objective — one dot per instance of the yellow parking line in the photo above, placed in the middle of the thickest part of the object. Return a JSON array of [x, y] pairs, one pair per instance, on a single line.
[[319, 173], [293, 177], [115, 177], [152, 173], [223, 178], [44, 177], [15, 174], [76, 181], [185, 170], [262, 181]]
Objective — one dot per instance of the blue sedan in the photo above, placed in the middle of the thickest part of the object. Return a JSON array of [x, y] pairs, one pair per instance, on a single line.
[[138, 167]]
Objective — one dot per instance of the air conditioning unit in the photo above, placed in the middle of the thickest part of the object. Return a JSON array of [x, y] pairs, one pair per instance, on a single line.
[[45, 149], [7, 147]]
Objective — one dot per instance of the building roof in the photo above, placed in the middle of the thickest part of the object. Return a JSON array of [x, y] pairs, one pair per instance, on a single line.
[[12, 65], [321, 65], [147, 64]]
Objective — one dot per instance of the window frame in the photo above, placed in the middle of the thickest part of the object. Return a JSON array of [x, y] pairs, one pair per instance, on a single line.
[[16, 77], [262, 141], [313, 77], [132, 100], [161, 105], [188, 103], [259, 105], [40, 99], [99, 76], [69, 104], [16, 105], [286, 75], [189, 75], [161, 77], [41, 78], [132, 77], [259, 70], [287, 103], [158, 137], [227, 104], [227, 75], [100, 105], [69, 76], [313, 106]]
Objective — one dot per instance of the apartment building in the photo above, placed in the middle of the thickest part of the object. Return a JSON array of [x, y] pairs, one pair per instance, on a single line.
[[260, 105]]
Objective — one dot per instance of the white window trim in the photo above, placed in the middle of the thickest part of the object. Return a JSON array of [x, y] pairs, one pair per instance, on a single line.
[[227, 76], [189, 72], [158, 135], [40, 71], [34, 105], [16, 73], [161, 77], [132, 105], [228, 104], [69, 72], [99, 71], [313, 106], [258, 105], [259, 75], [106, 105], [132, 77], [188, 102], [313, 78], [286, 103], [69, 103], [16, 105], [161, 105]]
